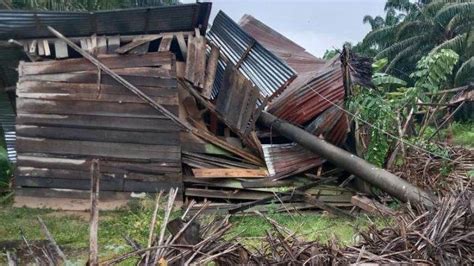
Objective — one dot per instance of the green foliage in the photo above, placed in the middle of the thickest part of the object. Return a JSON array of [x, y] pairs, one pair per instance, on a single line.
[[5, 169], [462, 134], [425, 27], [386, 105], [433, 70], [384, 80], [318, 227], [329, 54]]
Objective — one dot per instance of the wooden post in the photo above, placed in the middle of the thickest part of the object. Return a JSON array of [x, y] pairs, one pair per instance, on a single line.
[[94, 218]]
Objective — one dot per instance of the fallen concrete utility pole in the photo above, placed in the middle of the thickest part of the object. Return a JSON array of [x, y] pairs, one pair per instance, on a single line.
[[388, 182]]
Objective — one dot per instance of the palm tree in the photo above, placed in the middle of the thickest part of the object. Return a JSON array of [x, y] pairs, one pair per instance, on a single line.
[[428, 26]]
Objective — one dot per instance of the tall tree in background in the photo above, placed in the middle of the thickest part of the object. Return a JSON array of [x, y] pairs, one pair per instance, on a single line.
[[427, 26]]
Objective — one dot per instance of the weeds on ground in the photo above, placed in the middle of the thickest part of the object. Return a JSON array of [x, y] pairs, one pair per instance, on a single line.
[[461, 134], [5, 175]]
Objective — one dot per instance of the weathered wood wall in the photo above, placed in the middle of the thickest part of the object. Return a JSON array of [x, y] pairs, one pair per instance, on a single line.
[[69, 113]]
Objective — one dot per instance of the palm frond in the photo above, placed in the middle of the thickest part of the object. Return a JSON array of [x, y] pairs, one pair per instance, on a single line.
[[406, 52], [401, 5], [399, 46], [383, 79], [408, 28], [456, 44], [380, 35], [459, 20], [464, 73], [432, 8], [445, 14]]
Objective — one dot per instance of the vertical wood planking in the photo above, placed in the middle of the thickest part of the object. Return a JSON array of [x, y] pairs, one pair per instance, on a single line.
[[211, 69]]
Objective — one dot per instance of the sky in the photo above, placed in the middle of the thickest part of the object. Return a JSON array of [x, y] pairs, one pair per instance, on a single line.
[[316, 25]]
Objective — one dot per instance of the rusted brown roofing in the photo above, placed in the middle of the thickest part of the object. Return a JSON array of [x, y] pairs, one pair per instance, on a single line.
[[295, 55]]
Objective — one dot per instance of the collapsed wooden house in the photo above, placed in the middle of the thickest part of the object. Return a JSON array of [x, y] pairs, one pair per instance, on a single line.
[[214, 85]]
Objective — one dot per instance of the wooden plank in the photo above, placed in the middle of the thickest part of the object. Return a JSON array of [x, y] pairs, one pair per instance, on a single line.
[[47, 51], [236, 95], [66, 107], [211, 69], [44, 182], [59, 173], [90, 77], [223, 97], [65, 204], [224, 194], [180, 69], [70, 193], [156, 124], [96, 97], [80, 174], [189, 71], [182, 44], [371, 206], [199, 61], [98, 135], [113, 43], [139, 41], [229, 173], [32, 47], [101, 45], [50, 87], [165, 43], [248, 107], [84, 44], [109, 166], [152, 187], [99, 149], [40, 48], [60, 49], [82, 64]]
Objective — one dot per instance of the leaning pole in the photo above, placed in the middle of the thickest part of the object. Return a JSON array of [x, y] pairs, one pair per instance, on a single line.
[[386, 181]]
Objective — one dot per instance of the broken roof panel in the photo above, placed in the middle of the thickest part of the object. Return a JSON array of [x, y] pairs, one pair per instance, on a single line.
[[18, 24], [296, 56], [267, 71]]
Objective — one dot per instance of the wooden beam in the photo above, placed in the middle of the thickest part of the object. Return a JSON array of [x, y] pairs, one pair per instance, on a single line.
[[229, 173], [136, 42], [371, 206], [211, 69], [94, 214]]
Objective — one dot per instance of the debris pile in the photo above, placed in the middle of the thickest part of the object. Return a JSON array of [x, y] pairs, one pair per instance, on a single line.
[[437, 174], [442, 235], [239, 115]]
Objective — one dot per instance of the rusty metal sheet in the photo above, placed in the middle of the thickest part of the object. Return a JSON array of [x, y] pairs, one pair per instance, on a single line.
[[288, 159]]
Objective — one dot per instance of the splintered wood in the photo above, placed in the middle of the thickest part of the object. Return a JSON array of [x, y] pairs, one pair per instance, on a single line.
[[69, 113], [237, 100], [196, 60]]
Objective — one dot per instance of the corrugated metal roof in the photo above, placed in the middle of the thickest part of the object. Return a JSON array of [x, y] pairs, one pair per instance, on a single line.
[[17, 24], [7, 122], [268, 72], [296, 56]]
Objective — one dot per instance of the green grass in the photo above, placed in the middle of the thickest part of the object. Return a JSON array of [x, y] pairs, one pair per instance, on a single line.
[[70, 230], [462, 133], [312, 226]]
